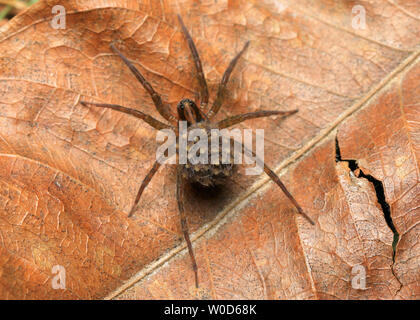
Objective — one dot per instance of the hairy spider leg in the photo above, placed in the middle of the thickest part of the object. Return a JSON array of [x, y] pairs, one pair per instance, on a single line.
[[204, 92], [156, 165], [162, 108], [275, 179], [222, 86], [144, 184], [138, 114], [231, 121], [184, 225]]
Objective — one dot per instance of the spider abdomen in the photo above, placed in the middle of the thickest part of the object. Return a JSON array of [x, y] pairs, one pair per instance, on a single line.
[[208, 173]]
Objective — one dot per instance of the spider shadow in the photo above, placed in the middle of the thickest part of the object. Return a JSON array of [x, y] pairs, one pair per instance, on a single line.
[[207, 202]]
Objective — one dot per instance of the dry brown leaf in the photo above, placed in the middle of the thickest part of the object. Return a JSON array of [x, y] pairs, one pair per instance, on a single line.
[[69, 174]]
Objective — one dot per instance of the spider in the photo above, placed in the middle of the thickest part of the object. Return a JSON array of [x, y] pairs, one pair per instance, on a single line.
[[206, 175]]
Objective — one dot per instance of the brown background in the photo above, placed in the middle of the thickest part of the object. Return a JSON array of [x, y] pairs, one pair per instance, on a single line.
[[69, 173]]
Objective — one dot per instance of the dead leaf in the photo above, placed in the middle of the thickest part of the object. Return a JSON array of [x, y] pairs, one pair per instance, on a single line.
[[69, 174]]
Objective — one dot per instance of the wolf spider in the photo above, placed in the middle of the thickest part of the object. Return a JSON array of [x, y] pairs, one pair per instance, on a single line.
[[195, 117]]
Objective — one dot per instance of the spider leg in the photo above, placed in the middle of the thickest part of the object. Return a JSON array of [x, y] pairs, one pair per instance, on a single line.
[[184, 225], [222, 86], [204, 92], [277, 180], [273, 176], [228, 122], [138, 114], [144, 184], [160, 106]]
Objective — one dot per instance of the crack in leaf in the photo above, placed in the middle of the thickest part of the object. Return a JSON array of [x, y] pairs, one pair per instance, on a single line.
[[380, 197]]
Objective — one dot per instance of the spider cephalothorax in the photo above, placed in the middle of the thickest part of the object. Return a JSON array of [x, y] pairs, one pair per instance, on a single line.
[[196, 118], [207, 174]]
